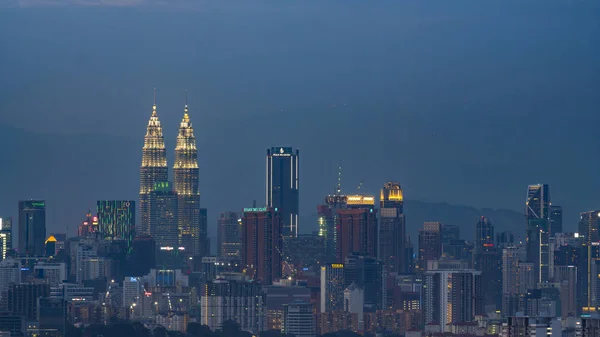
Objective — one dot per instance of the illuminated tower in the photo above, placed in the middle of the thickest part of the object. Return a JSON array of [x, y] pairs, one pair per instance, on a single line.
[[186, 183], [283, 186], [392, 230], [154, 167]]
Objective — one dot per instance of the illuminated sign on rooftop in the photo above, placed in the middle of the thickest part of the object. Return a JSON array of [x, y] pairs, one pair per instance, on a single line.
[[360, 200], [255, 209]]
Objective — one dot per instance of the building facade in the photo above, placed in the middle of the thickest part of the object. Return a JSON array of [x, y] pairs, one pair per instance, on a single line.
[[187, 186], [392, 229], [262, 244], [32, 227], [229, 239], [356, 228], [163, 219], [283, 182], [154, 168], [116, 219]]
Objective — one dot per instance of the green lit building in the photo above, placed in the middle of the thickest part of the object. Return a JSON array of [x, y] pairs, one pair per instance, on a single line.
[[116, 219]]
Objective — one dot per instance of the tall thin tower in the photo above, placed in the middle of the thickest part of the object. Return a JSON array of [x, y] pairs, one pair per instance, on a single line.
[[186, 181], [154, 166]]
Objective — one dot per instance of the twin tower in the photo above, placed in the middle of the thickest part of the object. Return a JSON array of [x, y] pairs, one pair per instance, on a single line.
[[171, 215]]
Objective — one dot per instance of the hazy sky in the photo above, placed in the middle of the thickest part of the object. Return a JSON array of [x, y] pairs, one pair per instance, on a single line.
[[460, 101]]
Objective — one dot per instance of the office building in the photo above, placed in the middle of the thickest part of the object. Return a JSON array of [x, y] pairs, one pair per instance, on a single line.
[[32, 227], [186, 183], [332, 287], [116, 219], [488, 260], [283, 178], [143, 255], [240, 301], [356, 228], [299, 319], [52, 314], [556, 219], [430, 243], [10, 272], [566, 277], [154, 167], [451, 293], [369, 274], [163, 215], [589, 225], [204, 240], [512, 258], [6, 243], [22, 298], [450, 233], [327, 218], [229, 238], [262, 244], [132, 288], [53, 273], [392, 229], [537, 215]]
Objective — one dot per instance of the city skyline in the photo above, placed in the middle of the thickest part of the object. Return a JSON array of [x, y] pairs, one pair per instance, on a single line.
[[493, 92]]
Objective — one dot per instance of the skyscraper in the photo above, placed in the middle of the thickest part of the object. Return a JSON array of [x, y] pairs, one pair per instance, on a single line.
[[186, 181], [116, 219], [283, 186], [153, 169], [326, 220], [451, 293], [32, 227], [356, 228], [229, 235], [488, 259], [332, 287], [556, 214], [5, 236], [262, 244], [392, 229], [430, 243], [163, 222], [537, 215]]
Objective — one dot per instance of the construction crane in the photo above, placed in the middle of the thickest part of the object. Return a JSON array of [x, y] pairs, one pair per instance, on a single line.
[[338, 190], [360, 185]]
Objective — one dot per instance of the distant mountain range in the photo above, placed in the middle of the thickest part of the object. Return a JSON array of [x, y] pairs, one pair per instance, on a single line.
[[464, 217]]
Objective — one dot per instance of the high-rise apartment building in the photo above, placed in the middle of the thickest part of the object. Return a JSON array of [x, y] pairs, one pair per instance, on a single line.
[[283, 177], [154, 167], [229, 238], [356, 228], [451, 293], [262, 244], [332, 287], [6, 243], [240, 301], [32, 227], [299, 319], [186, 182], [163, 222], [392, 229], [537, 215], [116, 219], [430, 243]]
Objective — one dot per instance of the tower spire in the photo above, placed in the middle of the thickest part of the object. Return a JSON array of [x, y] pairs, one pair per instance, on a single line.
[[154, 104], [186, 117]]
